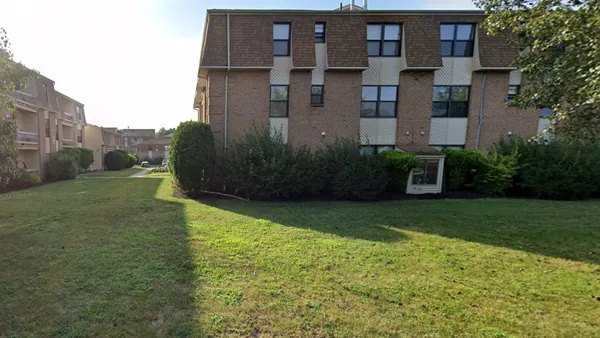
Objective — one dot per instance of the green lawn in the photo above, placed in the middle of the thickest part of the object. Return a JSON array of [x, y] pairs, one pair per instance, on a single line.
[[121, 173], [118, 257]]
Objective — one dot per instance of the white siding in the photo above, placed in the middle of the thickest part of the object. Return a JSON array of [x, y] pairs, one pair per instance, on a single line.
[[454, 72], [417, 189], [280, 74], [378, 131], [515, 78], [448, 131], [382, 71], [318, 74], [279, 124], [47, 145]]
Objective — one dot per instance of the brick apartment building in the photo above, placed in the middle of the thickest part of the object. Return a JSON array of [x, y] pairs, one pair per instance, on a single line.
[[410, 80], [134, 137], [47, 121]]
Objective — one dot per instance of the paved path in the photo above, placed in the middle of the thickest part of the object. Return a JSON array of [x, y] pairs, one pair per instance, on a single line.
[[141, 173]]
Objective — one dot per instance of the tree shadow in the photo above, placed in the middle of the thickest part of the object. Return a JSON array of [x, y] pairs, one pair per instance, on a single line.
[[104, 258], [569, 230]]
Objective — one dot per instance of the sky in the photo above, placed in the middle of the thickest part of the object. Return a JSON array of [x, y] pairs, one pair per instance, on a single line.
[[133, 63]]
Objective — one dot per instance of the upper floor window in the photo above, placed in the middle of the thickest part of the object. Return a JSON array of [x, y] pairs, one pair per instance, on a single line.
[[457, 39], [80, 136], [46, 92], [378, 101], [383, 39], [279, 101], [316, 95], [47, 128], [450, 101], [281, 39], [513, 91], [319, 32]]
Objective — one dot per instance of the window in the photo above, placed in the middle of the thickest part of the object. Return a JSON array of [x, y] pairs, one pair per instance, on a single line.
[[150, 148], [378, 101], [46, 92], [281, 39], [447, 146], [80, 136], [320, 32], [78, 109], [279, 101], [316, 95], [450, 101], [457, 39], [426, 173], [47, 127], [383, 40], [374, 150], [513, 91]]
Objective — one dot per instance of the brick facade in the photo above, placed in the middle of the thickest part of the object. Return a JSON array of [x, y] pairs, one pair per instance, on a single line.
[[338, 117], [414, 108]]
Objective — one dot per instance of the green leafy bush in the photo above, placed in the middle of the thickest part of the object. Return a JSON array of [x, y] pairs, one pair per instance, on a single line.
[[132, 160], [399, 165], [126, 159], [62, 165], [114, 160], [24, 180], [154, 161], [349, 175], [462, 165], [192, 157], [262, 166], [496, 175], [86, 158]]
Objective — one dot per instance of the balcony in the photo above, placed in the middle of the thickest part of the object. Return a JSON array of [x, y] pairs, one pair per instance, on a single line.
[[27, 140], [68, 117], [68, 143]]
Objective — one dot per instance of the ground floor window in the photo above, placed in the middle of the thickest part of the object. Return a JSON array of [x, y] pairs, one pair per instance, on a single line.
[[373, 150], [426, 173], [442, 146]]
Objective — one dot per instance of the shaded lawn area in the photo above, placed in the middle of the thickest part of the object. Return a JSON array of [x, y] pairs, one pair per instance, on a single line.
[[125, 258], [107, 173]]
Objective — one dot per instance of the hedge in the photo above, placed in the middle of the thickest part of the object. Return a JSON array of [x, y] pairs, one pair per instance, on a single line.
[[192, 157], [399, 165], [114, 160], [62, 165], [126, 160]]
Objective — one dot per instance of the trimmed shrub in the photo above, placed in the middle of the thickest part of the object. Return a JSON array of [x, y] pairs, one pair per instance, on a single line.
[[192, 157], [132, 160], [462, 165], [114, 160], [496, 174], [262, 166], [24, 180], [556, 169], [154, 161], [86, 158], [62, 166], [126, 160], [349, 175], [399, 165]]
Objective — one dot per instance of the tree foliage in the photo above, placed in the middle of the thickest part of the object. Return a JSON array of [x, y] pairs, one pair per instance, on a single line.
[[560, 44], [11, 74], [163, 132]]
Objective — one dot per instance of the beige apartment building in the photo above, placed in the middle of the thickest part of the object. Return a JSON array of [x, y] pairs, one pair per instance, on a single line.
[[408, 80], [101, 141], [47, 121]]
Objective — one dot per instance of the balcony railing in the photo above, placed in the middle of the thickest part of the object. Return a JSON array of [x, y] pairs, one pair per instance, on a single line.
[[68, 117], [27, 137], [68, 143]]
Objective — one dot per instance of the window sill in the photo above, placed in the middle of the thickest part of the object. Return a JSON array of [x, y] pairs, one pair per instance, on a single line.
[[317, 105]]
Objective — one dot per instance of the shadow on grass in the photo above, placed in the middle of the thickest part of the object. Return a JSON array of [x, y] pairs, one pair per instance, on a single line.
[[558, 229], [96, 258]]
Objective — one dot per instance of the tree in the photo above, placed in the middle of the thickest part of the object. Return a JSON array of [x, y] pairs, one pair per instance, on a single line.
[[164, 132], [11, 73], [560, 44]]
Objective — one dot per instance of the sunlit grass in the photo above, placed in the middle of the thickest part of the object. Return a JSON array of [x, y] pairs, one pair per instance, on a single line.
[[126, 258]]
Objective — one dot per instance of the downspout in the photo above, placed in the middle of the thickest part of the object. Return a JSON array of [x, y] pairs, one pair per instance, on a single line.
[[227, 84], [481, 103]]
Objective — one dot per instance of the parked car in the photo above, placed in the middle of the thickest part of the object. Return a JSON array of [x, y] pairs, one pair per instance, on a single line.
[[145, 164], [164, 162]]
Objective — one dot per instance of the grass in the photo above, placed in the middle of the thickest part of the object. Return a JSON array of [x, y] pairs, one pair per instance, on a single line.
[[125, 258], [121, 173]]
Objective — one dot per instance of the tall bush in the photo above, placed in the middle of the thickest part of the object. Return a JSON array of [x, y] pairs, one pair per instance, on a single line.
[[192, 156], [114, 160], [132, 160], [497, 172], [462, 165], [126, 160], [86, 158], [263, 166], [62, 166], [349, 175], [399, 165]]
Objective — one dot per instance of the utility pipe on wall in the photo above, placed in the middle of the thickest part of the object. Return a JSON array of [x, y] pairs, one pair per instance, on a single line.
[[481, 103], [226, 86]]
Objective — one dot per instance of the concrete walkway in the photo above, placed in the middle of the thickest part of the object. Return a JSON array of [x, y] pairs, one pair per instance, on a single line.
[[141, 173]]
